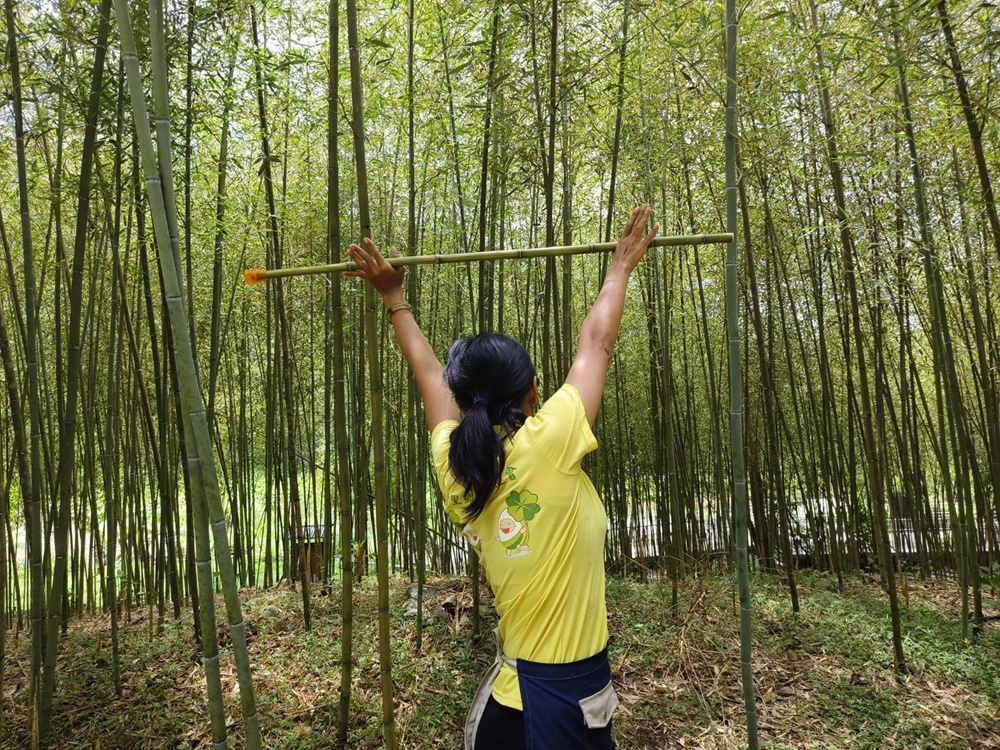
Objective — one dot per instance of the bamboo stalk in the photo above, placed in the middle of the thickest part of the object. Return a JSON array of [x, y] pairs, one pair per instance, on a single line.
[[207, 504], [112, 475], [67, 430], [30, 450], [257, 275], [162, 238], [739, 480], [371, 354]]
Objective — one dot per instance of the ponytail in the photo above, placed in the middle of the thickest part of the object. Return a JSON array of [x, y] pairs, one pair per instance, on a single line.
[[489, 375]]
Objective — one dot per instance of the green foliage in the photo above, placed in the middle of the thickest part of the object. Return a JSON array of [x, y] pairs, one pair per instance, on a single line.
[[676, 672], [670, 154]]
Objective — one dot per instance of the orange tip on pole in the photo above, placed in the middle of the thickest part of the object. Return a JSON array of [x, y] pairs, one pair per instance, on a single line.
[[255, 276]]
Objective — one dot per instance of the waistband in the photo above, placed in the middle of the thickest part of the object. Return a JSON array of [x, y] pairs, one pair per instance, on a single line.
[[569, 670]]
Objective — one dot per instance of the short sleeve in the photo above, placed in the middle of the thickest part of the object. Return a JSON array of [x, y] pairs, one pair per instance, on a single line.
[[441, 444], [560, 430], [454, 494]]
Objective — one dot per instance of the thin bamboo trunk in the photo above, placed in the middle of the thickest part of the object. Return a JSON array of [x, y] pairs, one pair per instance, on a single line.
[[28, 453], [770, 391], [942, 343], [735, 382], [663, 309], [339, 404], [972, 123], [619, 114], [375, 378], [67, 447], [456, 160], [871, 446], [20, 438], [200, 458], [550, 300], [418, 498], [111, 462], [566, 317], [486, 301], [295, 529], [220, 242], [4, 525], [188, 125]]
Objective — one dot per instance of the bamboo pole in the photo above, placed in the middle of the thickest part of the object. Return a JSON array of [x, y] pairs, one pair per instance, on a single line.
[[379, 452], [418, 494], [197, 443], [111, 464], [189, 385], [944, 358], [739, 482], [62, 499], [257, 275], [29, 450], [162, 238]]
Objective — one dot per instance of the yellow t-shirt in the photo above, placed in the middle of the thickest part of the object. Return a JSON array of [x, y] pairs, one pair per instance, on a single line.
[[540, 539]]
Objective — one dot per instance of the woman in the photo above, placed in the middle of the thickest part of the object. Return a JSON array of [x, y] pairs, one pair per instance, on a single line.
[[512, 482]]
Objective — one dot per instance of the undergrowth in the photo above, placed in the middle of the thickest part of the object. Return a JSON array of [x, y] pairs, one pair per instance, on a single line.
[[823, 677]]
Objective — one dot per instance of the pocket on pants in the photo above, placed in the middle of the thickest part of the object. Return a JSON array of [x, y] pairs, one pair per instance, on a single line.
[[598, 708]]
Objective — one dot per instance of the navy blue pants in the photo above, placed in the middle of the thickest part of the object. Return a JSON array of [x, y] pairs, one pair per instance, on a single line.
[[565, 706]]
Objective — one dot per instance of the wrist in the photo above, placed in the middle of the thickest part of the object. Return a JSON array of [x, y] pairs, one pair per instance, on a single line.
[[619, 270], [391, 310], [393, 297]]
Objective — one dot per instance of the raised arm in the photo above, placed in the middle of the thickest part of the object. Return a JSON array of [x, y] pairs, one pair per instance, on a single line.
[[439, 404], [600, 328]]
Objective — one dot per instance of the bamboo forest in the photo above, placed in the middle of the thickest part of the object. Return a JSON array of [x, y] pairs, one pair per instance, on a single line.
[[221, 523]]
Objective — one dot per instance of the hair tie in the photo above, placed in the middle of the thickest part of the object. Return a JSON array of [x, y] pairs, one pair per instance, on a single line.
[[480, 401]]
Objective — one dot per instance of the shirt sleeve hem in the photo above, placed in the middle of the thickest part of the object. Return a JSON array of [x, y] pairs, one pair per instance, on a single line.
[[580, 416], [453, 423], [588, 433]]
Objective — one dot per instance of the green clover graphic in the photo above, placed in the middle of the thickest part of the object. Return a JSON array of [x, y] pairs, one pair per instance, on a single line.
[[523, 506]]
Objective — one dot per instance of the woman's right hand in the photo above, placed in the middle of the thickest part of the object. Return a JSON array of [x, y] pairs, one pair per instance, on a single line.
[[439, 404], [633, 246], [373, 268]]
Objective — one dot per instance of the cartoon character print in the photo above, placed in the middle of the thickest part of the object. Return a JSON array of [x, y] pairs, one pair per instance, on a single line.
[[471, 534], [454, 509], [513, 522], [513, 535]]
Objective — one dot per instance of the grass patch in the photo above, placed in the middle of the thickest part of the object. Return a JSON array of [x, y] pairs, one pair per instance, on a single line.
[[823, 677]]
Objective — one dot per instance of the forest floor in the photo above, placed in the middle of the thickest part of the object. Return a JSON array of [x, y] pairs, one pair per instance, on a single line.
[[823, 677]]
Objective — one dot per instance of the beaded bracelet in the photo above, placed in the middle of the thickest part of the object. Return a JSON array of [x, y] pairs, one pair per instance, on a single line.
[[398, 306]]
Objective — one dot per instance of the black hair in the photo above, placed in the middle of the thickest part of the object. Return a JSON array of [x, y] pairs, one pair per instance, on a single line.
[[489, 376]]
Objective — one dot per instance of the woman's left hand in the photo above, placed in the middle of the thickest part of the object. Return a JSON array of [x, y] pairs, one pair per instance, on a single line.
[[373, 267], [633, 245]]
